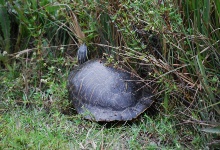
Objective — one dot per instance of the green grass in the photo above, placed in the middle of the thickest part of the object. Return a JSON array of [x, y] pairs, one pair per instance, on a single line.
[[23, 128], [173, 47]]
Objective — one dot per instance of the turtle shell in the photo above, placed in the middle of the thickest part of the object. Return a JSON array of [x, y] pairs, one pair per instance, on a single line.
[[103, 93]]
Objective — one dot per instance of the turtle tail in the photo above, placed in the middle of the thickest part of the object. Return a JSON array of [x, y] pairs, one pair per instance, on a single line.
[[82, 54]]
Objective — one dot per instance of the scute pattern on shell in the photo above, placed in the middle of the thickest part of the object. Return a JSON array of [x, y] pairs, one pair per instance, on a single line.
[[104, 93]]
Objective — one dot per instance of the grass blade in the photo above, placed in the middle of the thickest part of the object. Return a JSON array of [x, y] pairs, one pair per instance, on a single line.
[[5, 27]]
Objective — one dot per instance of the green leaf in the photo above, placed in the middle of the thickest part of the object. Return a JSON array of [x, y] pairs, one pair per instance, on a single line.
[[2, 2], [215, 130]]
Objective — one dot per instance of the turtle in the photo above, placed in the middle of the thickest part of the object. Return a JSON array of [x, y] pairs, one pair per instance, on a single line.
[[101, 92]]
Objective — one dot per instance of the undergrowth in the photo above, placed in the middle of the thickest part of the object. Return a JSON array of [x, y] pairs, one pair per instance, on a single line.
[[175, 52]]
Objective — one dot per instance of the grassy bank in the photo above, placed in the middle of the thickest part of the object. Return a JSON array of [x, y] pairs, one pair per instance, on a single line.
[[37, 129], [172, 46]]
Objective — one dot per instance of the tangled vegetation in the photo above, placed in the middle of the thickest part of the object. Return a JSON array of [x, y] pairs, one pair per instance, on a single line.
[[173, 46]]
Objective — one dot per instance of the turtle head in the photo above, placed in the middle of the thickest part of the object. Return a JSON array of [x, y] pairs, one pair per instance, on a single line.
[[82, 54]]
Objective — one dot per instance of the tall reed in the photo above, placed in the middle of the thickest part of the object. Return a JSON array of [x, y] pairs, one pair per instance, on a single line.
[[201, 19]]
